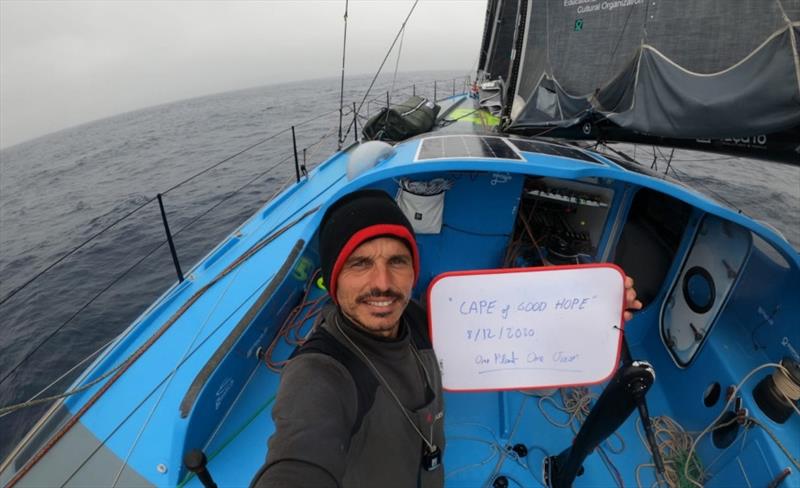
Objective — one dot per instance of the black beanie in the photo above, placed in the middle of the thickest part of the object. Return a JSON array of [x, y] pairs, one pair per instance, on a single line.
[[355, 219]]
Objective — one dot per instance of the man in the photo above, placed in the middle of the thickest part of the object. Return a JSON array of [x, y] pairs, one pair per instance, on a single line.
[[360, 404]]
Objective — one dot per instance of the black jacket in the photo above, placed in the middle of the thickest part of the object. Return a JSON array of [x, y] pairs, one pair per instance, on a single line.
[[337, 427]]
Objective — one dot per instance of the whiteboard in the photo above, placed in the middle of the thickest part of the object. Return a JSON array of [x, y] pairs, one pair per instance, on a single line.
[[527, 327]]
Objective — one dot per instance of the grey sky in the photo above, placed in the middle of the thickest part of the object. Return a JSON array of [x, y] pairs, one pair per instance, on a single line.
[[63, 63]]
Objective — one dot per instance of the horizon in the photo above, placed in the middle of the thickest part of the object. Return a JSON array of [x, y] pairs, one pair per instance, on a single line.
[[65, 64], [207, 95]]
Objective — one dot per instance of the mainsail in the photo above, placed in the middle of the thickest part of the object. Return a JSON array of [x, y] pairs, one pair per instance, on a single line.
[[713, 73]]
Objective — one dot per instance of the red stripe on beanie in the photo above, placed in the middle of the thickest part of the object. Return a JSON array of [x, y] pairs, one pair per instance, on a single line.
[[365, 234]]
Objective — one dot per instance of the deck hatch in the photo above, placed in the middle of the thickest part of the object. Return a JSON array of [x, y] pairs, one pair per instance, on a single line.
[[449, 147], [553, 150]]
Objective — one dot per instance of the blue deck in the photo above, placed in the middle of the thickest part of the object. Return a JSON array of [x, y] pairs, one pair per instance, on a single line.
[[228, 415]]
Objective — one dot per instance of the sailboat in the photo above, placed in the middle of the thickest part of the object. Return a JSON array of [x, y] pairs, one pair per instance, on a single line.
[[524, 173]]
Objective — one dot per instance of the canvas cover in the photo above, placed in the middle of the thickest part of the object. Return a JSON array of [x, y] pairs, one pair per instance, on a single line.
[[688, 70], [401, 121]]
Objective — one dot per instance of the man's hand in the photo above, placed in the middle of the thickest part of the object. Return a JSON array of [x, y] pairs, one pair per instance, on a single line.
[[631, 303]]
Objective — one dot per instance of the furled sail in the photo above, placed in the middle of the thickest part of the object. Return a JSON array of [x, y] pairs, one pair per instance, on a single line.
[[687, 73]]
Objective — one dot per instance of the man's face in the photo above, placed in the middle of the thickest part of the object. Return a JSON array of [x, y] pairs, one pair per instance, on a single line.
[[374, 285]]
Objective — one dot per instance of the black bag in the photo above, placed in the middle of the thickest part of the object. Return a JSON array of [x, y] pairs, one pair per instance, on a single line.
[[399, 122]]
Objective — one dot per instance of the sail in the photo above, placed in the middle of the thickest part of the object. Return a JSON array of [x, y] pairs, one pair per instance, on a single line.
[[690, 73]]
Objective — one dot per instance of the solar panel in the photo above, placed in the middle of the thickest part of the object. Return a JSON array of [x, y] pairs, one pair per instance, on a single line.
[[552, 150], [466, 147]]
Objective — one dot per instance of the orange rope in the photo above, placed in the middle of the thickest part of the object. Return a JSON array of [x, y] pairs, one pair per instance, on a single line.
[[292, 326]]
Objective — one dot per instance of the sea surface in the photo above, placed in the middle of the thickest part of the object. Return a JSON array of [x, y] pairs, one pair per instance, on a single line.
[[59, 190]]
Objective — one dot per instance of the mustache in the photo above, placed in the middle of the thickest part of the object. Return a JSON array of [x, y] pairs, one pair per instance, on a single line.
[[378, 293]]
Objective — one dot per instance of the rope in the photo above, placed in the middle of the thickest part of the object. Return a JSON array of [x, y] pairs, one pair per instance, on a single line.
[[711, 425], [577, 405], [73, 251], [397, 61], [673, 444], [775, 439], [230, 438], [33, 401], [681, 176], [787, 387], [72, 369], [495, 451], [677, 446], [316, 145], [290, 329], [610, 467], [619, 39], [248, 148], [81, 309], [131, 268], [150, 200], [509, 453], [171, 375], [497, 447], [374, 78], [154, 389], [341, 89]]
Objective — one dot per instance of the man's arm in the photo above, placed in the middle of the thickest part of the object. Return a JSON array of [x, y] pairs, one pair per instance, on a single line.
[[631, 303], [314, 413]]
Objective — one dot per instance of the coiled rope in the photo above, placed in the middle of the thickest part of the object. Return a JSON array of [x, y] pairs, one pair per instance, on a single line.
[[150, 200], [135, 265]]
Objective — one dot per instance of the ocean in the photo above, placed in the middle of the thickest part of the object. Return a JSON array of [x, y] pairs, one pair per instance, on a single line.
[[58, 190]]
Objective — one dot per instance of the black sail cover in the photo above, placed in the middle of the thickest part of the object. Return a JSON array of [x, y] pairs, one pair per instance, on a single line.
[[701, 71]]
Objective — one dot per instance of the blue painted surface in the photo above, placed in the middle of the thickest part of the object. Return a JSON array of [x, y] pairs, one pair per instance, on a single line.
[[231, 421]]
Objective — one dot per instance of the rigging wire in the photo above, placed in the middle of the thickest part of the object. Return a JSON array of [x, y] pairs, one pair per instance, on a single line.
[[377, 73], [149, 342], [152, 391], [131, 268], [619, 39], [293, 324], [154, 249], [171, 375], [681, 176], [724, 409], [341, 89], [397, 62]]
